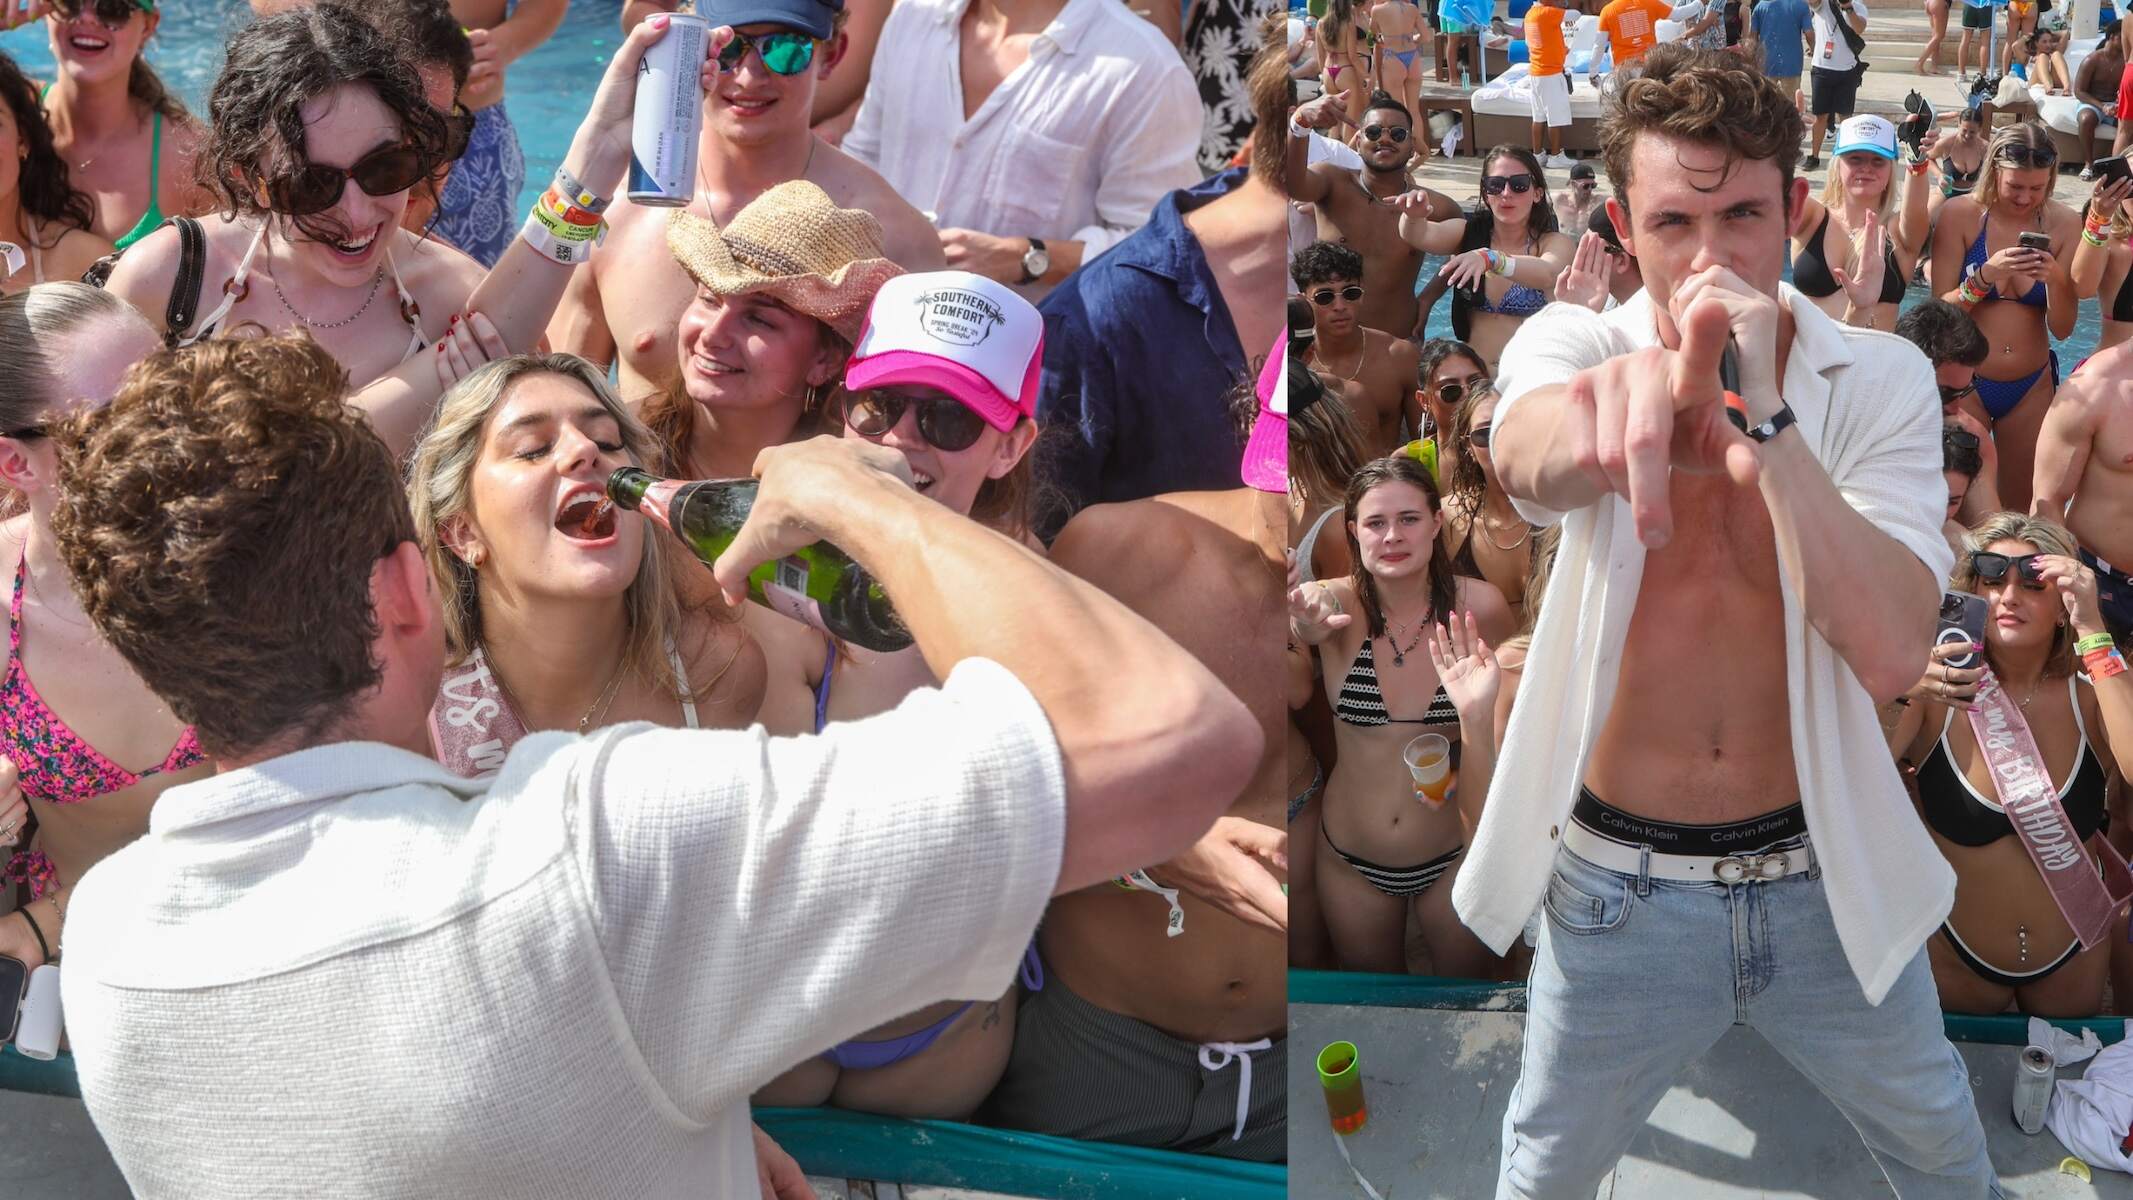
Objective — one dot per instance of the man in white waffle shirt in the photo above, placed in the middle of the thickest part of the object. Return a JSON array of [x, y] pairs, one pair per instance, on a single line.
[[1693, 787], [336, 969]]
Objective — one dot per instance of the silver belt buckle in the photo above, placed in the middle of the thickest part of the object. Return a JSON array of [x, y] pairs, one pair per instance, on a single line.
[[1763, 868]]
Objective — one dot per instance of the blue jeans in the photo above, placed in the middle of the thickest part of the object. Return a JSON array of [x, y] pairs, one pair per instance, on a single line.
[[1634, 978]]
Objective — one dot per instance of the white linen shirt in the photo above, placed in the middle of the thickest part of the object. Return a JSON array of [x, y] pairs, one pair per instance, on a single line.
[[1831, 54], [1868, 409], [1076, 144], [348, 972]]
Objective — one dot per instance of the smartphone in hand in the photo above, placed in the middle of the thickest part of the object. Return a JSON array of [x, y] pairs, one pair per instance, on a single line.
[[2116, 167], [2031, 239], [1962, 621]]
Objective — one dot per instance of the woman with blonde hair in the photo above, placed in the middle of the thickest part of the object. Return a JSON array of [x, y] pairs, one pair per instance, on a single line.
[[560, 610], [2006, 940], [2021, 296], [1852, 251], [781, 296], [90, 746]]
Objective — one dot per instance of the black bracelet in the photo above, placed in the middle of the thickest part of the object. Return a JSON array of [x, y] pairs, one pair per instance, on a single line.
[[42, 945]]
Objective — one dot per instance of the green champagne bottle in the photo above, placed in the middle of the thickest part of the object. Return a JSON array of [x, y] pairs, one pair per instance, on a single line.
[[818, 585]]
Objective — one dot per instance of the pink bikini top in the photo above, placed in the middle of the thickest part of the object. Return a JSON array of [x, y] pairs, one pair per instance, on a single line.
[[54, 762]]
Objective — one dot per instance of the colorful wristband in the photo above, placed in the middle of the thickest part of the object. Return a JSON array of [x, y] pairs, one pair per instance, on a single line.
[[2094, 641], [564, 230], [2093, 238], [567, 186], [568, 253], [2103, 664], [1975, 291], [561, 206]]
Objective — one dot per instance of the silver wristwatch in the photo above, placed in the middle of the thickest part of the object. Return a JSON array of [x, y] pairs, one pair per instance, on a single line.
[[1035, 262]]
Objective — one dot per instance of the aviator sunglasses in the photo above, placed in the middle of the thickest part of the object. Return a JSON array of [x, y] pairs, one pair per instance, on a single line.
[[1992, 568], [1324, 296], [944, 421], [1494, 185], [315, 187], [111, 14], [784, 53]]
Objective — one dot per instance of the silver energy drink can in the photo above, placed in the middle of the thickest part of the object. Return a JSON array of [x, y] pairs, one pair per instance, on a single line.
[[669, 115], [2033, 1087]]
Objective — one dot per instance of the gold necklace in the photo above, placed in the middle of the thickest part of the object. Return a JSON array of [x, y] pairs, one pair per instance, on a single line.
[[1490, 534], [1358, 368], [601, 705]]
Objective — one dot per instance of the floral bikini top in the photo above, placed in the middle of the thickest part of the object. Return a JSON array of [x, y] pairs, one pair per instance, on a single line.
[[54, 762]]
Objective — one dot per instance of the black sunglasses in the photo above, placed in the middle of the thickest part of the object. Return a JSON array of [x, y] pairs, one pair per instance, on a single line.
[[783, 52], [1950, 395], [1992, 568], [314, 187], [111, 14], [1324, 296], [26, 433], [2028, 156], [1478, 436], [1452, 391], [944, 421], [1386, 133], [1494, 185], [1961, 439]]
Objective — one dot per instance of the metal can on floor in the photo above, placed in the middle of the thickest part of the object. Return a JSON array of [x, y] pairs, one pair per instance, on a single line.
[[669, 115], [2034, 1076]]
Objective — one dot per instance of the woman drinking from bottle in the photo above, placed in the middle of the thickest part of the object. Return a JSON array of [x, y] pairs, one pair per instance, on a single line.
[[781, 294], [2006, 940], [946, 373], [1385, 855], [88, 744], [560, 611]]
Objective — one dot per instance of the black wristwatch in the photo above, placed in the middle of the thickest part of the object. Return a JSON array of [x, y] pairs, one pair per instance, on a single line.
[[1035, 262], [1779, 422]]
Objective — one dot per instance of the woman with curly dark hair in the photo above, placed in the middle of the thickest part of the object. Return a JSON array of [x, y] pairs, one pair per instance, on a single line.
[[1487, 538], [128, 142], [320, 129], [1505, 253], [41, 214]]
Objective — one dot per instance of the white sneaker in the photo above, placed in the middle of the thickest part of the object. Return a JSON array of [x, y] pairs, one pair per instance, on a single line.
[[1557, 161]]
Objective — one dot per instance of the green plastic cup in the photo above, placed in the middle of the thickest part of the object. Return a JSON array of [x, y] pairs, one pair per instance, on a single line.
[[1340, 1074]]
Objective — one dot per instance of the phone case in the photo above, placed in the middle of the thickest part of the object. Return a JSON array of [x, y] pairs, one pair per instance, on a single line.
[[1962, 620]]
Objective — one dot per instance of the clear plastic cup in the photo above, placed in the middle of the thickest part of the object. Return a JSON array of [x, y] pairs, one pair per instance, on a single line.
[[1429, 760]]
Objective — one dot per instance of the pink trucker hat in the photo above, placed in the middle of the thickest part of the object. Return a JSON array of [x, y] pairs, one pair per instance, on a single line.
[[971, 337], [1266, 455]]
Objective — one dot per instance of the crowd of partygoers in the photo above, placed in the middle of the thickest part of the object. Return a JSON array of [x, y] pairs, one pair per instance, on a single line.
[[356, 728], [1767, 615]]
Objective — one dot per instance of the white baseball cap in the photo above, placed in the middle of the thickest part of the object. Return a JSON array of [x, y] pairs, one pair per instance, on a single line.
[[1865, 132], [971, 337]]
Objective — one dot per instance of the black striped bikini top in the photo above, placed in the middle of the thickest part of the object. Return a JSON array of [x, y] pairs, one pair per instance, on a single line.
[[1361, 703]]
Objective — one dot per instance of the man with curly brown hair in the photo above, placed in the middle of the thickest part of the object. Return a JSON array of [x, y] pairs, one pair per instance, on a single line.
[[1726, 844], [335, 968]]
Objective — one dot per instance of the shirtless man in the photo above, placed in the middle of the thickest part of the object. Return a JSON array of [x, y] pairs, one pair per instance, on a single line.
[[1574, 205], [624, 304], [1372, 371], [1755, 785], [1352, 212], [2085, 476], [1138, 1036]]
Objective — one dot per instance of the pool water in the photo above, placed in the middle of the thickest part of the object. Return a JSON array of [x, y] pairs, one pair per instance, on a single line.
[[546, 95], [2088, 322]]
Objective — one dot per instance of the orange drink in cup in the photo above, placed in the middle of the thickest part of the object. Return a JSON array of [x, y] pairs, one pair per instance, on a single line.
[[1429, 759], [1340, 1074]]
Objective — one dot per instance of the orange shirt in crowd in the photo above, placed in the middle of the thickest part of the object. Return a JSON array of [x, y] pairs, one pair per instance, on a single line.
[[1632, 27], [1545, 50]]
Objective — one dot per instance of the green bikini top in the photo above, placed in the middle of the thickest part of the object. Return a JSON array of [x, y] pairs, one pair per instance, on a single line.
[[153, 218]]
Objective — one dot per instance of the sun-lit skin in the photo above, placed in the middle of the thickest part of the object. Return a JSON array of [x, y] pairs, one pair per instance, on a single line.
[[2020, 616], [341, 128], [1338, 317], [748, 351], [1396, 530], [91, 52], [953, 477]]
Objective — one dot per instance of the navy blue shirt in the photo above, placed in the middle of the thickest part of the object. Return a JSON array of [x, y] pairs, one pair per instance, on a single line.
[[1139, 355]]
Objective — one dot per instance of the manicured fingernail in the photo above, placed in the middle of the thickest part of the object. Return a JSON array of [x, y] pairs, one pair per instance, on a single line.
[[661, 21]]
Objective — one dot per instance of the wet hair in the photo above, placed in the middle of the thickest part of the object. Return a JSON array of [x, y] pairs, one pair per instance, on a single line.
[[428, 33], [43, 187], [1386, 102], [1462, 474], [38, 331], [2027, 134], [1324, 262], [1443, 588], [1709, 97], [1960, 455], [2049, 537], [1326, 444], [440, 487], [1944, 332], [1272, 94], [275, 67], [221, 520]]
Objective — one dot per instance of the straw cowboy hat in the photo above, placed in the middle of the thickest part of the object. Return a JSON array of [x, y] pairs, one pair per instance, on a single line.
[[795, 245]]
